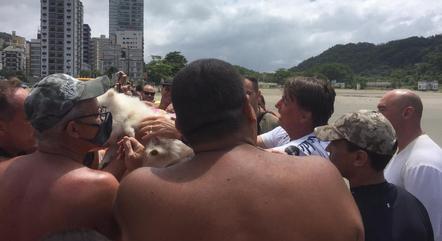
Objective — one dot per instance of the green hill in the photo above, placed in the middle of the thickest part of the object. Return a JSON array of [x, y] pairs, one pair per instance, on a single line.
[[406, 60]]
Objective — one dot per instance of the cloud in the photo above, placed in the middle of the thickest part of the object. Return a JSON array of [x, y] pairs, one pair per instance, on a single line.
[[261, 34]]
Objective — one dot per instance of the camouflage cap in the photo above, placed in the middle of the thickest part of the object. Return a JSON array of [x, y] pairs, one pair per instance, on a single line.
[[369, 130], [55, 95]]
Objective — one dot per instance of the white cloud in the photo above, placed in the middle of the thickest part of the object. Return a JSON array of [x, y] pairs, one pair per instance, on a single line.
[[260, 34]]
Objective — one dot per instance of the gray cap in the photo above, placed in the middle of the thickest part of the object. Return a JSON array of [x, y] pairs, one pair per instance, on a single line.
[[369, 130], [55, 95]]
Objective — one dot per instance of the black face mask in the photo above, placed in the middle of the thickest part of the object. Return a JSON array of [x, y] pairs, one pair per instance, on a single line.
[[104, 130]]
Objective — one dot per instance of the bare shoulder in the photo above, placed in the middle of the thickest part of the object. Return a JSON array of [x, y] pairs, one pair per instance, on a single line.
[[305, 166], [88, 185]]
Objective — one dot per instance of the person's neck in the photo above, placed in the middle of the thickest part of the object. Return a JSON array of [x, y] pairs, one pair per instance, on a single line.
[[407, 135], [296, 133], [365, 179], [60, 149], [221, 144]]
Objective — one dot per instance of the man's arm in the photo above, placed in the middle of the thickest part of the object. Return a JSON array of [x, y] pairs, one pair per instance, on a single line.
[[260, 142]]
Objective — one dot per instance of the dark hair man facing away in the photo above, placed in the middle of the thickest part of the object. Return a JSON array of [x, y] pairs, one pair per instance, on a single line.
[[231, 190]]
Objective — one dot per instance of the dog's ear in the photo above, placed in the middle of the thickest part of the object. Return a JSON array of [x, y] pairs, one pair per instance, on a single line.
[[111, 93]]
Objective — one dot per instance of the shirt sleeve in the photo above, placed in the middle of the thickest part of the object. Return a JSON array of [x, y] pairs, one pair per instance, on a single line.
[[270, 139], [425, 183]]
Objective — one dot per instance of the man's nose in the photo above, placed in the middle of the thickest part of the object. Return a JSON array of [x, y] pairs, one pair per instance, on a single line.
[[278, 104]]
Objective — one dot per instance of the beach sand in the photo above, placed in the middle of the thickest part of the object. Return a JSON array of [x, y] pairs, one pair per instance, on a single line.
[[353, 100]]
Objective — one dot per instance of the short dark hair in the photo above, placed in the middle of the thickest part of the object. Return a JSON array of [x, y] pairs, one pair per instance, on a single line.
[[7, 88], [139, 88], [208, 98], [312, 94], [377, 161], [254, 82]]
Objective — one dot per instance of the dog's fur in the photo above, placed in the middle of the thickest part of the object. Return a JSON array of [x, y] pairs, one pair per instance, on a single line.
[[127, 113]]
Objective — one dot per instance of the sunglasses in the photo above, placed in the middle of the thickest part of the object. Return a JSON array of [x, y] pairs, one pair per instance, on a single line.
[[149, 93]]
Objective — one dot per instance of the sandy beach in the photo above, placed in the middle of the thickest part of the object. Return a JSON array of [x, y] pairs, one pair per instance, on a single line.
[[353, 100]]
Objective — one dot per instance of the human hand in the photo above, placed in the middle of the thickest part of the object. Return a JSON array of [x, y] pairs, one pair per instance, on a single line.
[[157, 126], [132, 152]]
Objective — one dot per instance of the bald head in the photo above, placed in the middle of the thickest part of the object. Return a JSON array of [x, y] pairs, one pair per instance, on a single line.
[[402, 98], [401, 107]]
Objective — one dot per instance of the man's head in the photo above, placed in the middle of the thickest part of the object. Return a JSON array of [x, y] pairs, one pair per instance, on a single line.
[[16, 133], [252, 91], [403, 109], [209, 100], [61, 105], [360, 141], [148, 93], [166, 86], [306, 101]]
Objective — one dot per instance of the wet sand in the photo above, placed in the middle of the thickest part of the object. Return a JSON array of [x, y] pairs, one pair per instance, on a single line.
[[353, 100]]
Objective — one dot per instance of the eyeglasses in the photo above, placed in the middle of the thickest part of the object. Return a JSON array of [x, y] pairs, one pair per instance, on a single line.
[[149, 93], [102, 115]]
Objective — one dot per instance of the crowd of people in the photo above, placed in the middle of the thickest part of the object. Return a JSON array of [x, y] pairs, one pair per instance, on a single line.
[[256, 175]]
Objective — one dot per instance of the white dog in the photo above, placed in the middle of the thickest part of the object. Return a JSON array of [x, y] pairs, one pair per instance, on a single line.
[[127, 113]]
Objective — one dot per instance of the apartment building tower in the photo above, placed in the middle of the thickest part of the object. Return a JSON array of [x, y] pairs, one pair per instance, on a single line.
[[126, 27], [61, 36]]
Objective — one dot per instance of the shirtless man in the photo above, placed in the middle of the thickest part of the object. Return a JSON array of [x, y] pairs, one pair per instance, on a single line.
[[232, 190], [16, 133], [50, 190]]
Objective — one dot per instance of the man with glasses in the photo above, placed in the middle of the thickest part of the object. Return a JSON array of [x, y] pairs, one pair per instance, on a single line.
[[50, 190], [148, 93]]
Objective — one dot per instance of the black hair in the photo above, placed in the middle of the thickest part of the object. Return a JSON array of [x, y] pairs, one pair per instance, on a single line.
[[254, 83], [377, 161], [312, 94], [139, 88], [208, 98]]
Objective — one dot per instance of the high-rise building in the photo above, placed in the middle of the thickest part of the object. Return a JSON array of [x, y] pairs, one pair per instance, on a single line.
[[126, 26], [106, 54], [61, 36], [86, 65], [126, 15], [35, 60]]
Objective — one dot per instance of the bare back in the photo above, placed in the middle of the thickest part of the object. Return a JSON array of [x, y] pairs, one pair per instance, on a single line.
[[42, 194], [241, 194]]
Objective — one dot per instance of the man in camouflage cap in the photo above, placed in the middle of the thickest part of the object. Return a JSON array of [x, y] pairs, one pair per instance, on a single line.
[[50, 190], [361, 145]]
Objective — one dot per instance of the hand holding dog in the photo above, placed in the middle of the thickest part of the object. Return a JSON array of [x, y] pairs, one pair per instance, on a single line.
[[157, 126]]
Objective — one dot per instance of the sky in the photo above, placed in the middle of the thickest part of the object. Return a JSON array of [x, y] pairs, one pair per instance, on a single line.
[[263, 35]]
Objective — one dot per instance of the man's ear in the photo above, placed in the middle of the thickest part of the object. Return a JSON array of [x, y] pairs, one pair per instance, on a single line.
[[72, 129], [408, 112], [306, 116], [248, 110], [361, 158]]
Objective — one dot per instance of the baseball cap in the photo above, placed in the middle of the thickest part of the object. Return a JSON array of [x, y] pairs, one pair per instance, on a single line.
[[369, 130], [55, 95]]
